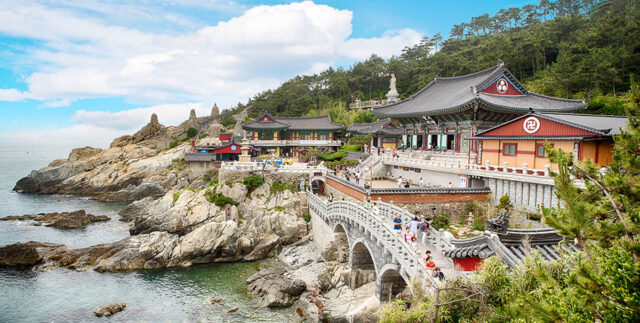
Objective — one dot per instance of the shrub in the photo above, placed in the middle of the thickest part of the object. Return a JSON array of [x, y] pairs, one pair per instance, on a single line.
[[440, 222], [176, 196], [213, 182], [210, 175], [505, 203], [333, 156], [173, 144], [339, 163], [218, 199], [351, 148], [252, 182], [203, 136], [307, 218], [478, 226], [278, 186], [360, 140], [191, 132]]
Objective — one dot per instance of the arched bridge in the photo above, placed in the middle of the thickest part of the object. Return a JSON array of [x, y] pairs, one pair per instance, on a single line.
[[372, 245]]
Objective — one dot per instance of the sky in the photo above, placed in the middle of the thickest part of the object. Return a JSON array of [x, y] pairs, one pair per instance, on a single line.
[[77, 73]]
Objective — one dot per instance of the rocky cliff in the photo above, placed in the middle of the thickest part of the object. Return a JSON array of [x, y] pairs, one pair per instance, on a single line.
[[132, 168]]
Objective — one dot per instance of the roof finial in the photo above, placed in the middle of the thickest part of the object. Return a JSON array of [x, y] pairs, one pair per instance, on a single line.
[[531, 110], [500, 62]]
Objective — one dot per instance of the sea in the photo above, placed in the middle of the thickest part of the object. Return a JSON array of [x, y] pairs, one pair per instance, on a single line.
[[63, 295]]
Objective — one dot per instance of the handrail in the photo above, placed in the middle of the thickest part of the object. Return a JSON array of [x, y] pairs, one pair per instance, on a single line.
[[407, 259]]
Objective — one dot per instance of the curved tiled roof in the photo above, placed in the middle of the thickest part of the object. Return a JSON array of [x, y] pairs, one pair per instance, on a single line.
[[449, 94], [293, 123], [377, 127]]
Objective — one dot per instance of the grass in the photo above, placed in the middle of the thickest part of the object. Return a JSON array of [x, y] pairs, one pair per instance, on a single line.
[[278, 186], [219, 199], [176, 196]]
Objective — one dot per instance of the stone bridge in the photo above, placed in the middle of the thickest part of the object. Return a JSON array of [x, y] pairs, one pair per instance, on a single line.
[[372, 244]]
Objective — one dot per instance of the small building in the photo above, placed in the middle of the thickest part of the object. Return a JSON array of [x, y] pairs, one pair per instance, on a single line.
[[383, 133], [520, 142], [288, 136], [451, 108]]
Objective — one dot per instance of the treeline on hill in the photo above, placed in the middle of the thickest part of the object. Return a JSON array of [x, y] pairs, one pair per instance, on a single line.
[[582, 49]]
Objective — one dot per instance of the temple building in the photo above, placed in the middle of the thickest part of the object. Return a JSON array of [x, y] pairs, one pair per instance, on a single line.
[[291, 136], [520, 142], [450, 109], [384, 133]]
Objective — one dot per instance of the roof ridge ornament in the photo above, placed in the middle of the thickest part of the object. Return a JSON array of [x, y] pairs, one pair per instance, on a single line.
[[500, 62]]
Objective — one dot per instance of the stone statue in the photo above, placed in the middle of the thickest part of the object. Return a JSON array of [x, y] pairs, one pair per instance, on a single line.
[[392, 95], [499, 224]]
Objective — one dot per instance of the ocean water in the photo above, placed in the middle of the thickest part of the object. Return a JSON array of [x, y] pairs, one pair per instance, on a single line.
[[169, 295]]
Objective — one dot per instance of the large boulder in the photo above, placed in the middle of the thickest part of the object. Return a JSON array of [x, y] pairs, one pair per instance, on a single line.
[[27, 254], [267, 247], [274, 288]]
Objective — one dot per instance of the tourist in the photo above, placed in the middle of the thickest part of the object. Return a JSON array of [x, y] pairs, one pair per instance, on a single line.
[[424, 228], [413, 225], [366, 203], [428, 260], [414, 244], [421, 183], [450, 184], [378, 151], [400, 182], [397, 224], [331, 197], [375, 210], [406, 184], [357, 178], [407, 236], [438, 274]]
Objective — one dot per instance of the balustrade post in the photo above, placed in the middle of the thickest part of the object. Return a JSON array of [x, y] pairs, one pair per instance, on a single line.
[[504, 169]]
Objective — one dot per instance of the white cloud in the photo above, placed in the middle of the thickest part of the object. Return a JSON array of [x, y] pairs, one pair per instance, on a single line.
[[82, 56], [11, 95]]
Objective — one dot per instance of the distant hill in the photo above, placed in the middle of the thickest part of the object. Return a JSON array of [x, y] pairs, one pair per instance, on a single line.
[[584, 49]]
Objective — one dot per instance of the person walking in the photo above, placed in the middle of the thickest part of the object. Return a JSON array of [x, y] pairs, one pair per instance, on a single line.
[[331, 197], [357, 178], [413, 225], [400, 182], [438, 274], [424, 229], [397, 224], [421, 183], [428, 260], [378, 151], [407, 236], [414, 244]]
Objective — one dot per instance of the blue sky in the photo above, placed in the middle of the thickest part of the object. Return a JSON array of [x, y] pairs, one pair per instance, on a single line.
[[76, 73]]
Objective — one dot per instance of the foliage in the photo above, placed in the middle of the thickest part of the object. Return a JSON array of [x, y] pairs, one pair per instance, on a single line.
[[204, 135], [505, 203], [360, 140], [210, 175], [173, 144], [176, 196], [252, 182], [307, 218], [440, 222], [340, 163], [218, 199], [278, 186], [191, 132], [333, 156], [351, 148]]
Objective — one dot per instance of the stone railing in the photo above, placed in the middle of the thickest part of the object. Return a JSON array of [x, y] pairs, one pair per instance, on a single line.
[[412, 190], [258, 166], [410, 264]]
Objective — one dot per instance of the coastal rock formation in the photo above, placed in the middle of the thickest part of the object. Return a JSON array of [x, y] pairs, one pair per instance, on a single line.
[[273, 288], [183, 228], [62, 220], [111, 309], [215, 112]]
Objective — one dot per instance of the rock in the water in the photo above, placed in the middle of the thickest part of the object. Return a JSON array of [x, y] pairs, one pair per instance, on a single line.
[[233, 310], [273, 288], [27, 254], [110, 309], [62, 220], [215, 299]]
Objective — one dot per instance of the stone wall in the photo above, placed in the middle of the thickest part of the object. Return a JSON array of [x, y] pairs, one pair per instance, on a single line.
[[197, 169], [430, 177]]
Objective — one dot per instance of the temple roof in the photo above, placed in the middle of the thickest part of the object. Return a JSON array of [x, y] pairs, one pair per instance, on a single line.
[[594, 125], [377, 127], [268, 122], [453, 94]]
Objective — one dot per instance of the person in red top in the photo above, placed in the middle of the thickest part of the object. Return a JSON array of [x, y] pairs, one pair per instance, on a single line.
[[428, 260]]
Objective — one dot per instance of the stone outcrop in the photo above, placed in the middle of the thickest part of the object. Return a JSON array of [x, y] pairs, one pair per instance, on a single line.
[[179, 230], [193, 120], [215, 112], [62, 220], [110, 309], [273, 288]]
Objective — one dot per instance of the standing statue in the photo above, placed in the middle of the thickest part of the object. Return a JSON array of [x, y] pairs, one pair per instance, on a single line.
[[392, 95]]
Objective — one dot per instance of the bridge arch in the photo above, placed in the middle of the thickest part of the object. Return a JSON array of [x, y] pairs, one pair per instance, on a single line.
[[360, 256], [389, 283]]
